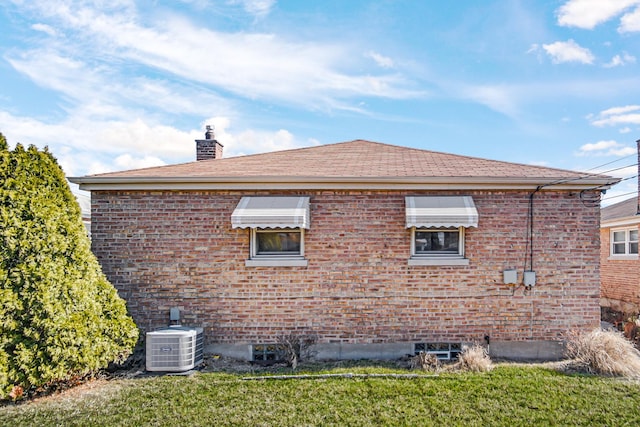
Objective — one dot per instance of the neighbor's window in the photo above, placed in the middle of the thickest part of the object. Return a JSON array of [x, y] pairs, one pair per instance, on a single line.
[[624, 242], [277, 242]]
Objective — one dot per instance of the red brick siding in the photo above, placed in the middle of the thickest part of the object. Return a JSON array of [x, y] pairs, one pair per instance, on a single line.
[[166, 249], [620, 278]]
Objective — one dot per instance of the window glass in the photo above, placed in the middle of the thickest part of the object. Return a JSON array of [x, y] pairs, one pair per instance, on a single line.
[[633, 241], [437, 242], [624, 242], [277, 242], [619, 236], [618, 248]]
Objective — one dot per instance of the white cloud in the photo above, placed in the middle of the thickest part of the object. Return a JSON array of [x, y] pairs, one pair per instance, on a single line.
[[45, 29], [630, 22], [619, 110], [540, 163], [127, 161], [618, 60], [535, 49], [568, 51], [97, 147], [605, 148], [629, 114], [252, 141], [251, 65], [625, 130], [500, 98], [258, 8], [588, 14], [382, 61], [93, 91]]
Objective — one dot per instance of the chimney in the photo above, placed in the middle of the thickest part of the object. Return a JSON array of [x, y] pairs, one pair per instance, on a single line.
[[208, 148]]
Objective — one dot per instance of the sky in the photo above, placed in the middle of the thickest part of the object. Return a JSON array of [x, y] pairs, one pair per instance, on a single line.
[[120, 84]]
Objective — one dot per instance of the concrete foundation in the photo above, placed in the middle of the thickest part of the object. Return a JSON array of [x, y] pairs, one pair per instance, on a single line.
[[509, 350], [527, 350]]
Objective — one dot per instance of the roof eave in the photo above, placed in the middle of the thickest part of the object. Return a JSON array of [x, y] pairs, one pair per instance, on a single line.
[[620, 222], [353, 183]]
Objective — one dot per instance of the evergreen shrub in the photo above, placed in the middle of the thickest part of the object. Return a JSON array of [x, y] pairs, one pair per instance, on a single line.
[[60, 318]]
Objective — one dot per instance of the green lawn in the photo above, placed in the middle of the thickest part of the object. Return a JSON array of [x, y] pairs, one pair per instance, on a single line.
[[508, 395]]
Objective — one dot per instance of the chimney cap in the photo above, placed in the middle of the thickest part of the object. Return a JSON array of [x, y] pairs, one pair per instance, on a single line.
[[209, 133]]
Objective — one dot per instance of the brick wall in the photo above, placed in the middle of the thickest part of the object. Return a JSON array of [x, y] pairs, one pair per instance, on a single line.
[[177, 249], [620, 279]]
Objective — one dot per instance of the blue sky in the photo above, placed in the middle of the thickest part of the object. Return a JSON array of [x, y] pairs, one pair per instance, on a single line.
[[121, 84]]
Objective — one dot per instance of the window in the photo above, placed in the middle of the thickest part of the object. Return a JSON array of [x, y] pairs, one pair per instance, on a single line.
[[438, 226], [437, 242], [267, 353], [276, 243], [437, 246], [277, 225], [624, 242], [442, 350]]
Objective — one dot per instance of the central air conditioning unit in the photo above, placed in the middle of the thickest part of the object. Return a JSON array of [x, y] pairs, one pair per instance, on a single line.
[[174, 349]]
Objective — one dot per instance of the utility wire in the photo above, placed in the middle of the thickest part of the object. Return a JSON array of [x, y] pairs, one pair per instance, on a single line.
[[619, 195], [613, 161], [628, 178], [586, 176]]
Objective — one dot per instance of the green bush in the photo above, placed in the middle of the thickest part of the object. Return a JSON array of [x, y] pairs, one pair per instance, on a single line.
[[59, 316]]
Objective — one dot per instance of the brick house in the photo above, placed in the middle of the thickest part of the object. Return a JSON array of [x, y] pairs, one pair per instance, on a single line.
[[619, 262], [378, 250]]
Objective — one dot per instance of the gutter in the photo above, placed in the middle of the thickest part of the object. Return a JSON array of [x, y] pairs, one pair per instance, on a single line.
[[103, 183]]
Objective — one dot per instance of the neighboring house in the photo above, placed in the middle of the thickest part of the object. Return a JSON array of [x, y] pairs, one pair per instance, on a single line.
[[619, 263], [84, 201], [378, 250]]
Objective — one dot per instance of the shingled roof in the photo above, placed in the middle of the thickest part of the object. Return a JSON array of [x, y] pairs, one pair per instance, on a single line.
[[622, 210], [354, 164]]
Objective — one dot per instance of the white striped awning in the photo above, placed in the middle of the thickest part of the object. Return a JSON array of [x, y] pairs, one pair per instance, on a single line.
[[441, 211], [271, 212]]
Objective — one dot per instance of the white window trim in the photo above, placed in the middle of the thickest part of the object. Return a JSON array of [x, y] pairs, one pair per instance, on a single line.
[[285, 260], [626, 255], [438, 259]]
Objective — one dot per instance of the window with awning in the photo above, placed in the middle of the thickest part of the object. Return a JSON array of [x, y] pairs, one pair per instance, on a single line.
[[271, 212], [277, 226], [441, 212], [437, 226]]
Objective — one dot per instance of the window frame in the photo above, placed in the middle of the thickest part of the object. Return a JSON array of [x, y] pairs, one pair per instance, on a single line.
[[627, 242], [438, 258], [284, 259]]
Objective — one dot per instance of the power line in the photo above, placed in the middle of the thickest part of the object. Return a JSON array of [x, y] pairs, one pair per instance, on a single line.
[[616, 169], [613, 161], [586, 176], [619, 195], [628, 178]]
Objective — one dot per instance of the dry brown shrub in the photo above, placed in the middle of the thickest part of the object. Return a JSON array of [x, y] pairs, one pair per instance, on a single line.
[[603, 352], [425, 361], [474, 359], [295, 347]]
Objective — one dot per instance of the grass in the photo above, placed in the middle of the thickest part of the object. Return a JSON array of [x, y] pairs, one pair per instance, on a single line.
[[507, 395]]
